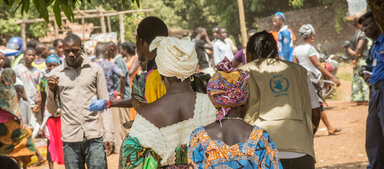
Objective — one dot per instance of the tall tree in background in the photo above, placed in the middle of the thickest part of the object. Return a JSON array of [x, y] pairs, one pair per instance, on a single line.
[[377, 8]]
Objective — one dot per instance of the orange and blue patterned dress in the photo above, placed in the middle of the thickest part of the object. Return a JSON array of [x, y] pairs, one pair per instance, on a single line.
[[258, 152]]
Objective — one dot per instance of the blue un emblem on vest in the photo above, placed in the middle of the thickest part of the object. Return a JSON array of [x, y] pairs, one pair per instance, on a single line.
[[279, 85]]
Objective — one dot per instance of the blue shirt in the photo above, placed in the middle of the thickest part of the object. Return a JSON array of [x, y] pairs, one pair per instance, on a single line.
[[119, 61], [378, 60], [285, 43], [110, 69]]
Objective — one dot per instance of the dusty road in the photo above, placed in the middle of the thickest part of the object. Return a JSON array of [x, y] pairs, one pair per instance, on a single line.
[[343, 151]]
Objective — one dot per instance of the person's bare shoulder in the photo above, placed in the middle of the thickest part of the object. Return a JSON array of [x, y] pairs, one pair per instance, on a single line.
[[155, 107]]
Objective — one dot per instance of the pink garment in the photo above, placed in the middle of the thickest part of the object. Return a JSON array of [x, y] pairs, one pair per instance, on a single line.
[[55, 145], [5, 116]]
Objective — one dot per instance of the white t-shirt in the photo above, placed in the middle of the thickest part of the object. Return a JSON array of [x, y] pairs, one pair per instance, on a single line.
[[303, 54], [221, 50]]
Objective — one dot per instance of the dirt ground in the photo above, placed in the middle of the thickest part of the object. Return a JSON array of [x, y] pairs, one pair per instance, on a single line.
[[342, 151]]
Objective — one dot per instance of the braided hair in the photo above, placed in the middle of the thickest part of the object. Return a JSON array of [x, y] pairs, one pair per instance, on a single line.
[[261, 45]]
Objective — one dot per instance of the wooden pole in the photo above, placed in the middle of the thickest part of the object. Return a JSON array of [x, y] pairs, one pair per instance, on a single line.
[[109, 24], [102, 22], [23, 33], [243, 29], [56, 28], [83, 28], [87, 16], [122, 31]]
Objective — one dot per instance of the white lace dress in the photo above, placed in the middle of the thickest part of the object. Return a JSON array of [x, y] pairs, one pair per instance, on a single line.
[[164, 141]]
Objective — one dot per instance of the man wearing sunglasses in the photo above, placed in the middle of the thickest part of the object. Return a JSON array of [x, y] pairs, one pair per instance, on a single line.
[[74, 84]]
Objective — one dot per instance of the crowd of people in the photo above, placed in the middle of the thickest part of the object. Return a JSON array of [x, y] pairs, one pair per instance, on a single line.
[[259, 107]]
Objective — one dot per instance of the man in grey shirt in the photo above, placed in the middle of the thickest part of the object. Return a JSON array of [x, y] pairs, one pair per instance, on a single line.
[[74, 84], [30, 76]]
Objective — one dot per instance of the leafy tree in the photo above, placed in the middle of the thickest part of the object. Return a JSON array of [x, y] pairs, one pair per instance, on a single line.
[[377, 8], [9, 26], [66, 6], [177, 13]]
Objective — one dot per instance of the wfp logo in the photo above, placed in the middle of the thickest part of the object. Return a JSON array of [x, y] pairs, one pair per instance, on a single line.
[[279, 85]]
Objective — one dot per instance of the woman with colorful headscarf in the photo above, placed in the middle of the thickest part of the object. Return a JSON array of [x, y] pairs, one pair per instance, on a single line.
[[15, 138], [230, 142], [161, 130], [51, 123]]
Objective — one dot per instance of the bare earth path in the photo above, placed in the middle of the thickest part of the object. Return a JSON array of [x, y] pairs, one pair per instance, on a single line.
[[343, 151]]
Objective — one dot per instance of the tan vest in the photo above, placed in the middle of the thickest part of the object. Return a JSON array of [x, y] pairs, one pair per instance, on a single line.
[[279, 102]]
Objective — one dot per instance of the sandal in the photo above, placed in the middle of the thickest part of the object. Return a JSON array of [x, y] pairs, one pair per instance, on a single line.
[[334, 132]]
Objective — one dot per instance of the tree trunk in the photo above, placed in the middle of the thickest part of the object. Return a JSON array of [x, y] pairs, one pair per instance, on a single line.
[[377, 8]]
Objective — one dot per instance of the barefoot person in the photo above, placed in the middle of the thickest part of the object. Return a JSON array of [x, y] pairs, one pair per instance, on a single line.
[[221, 144], [73, 84]]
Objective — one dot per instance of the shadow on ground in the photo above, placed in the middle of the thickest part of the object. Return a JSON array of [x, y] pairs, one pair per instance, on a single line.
[[356, 165]]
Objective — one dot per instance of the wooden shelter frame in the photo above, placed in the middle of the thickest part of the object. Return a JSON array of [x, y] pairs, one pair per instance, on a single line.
[[84, 14]]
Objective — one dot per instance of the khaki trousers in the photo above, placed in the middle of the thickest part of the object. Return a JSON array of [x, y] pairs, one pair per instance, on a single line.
[[120, 117]]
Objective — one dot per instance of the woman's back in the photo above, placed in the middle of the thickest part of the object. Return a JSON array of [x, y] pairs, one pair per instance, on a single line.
[[170, 109], [230, 131], [165, 125], [256, 151]]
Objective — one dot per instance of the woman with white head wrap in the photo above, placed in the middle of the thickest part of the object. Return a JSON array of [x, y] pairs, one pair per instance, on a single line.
[[175, 57], [307, 56], [161, 130]]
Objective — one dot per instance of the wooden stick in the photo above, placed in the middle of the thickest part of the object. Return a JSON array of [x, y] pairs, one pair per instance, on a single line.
[[109, 24], [86, 16], [243, 29], [122, 31], [83, 27], [23, 33], [102, 22]]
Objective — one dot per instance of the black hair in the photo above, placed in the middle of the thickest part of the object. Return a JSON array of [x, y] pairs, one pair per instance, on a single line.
[[111, 44], [198, 30], [100, 50], [72, 38], [151, 27], [7, 63], [220, 28], [32, 43], [263, 45], [53, 48], [365, 16], [40, 48], [57, 41], [129, 47], [28, 49]]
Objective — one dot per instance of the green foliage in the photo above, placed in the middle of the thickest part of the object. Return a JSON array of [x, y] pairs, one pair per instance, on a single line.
[[184, 14], [9, 27], [297, 3], [38, 29], [66, 6], [339, 6]]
